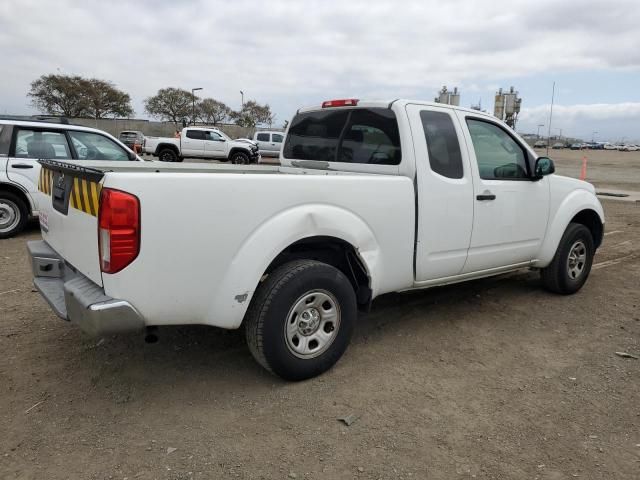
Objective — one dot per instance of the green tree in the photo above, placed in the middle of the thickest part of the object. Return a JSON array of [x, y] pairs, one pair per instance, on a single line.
[[253, 114], [172, 104], [103, 99], [212, 111], [75, 96], [58, 95]]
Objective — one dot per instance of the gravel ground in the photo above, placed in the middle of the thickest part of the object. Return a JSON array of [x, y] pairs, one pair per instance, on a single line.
[[490, 379]]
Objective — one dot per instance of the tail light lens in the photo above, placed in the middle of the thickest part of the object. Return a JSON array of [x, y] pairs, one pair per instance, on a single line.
[[118, 229]]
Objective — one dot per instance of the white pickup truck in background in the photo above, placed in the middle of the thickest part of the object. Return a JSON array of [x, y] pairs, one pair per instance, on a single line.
[[371, 197], [202, 142]]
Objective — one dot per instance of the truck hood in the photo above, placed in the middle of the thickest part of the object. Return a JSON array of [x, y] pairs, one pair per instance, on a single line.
[[572, 183], [246, 140]]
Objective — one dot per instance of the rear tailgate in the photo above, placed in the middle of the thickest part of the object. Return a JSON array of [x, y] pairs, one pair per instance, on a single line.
[[69, 197]]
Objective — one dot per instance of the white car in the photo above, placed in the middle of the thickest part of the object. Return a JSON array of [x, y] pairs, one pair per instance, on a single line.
[[630, 148], [371, 197], [202, 142], [22, 143], [269, 143]]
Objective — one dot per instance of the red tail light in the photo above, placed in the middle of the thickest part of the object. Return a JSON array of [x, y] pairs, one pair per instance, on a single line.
[[118, 229], [345, 102]]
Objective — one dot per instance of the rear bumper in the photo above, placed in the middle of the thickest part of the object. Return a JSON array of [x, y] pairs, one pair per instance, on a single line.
[[75, 298]]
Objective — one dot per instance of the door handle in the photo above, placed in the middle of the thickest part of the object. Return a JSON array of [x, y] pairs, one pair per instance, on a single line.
[[485, 196], [21, 165]]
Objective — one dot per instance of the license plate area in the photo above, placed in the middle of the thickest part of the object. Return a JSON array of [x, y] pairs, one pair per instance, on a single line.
[[61, 192]]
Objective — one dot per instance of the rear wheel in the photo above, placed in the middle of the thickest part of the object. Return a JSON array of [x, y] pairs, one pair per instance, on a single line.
[[571, 265], [240, 158], [301, 319], [13, 214], [167, 155]]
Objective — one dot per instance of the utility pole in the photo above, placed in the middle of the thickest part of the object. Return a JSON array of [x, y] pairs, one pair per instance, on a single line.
[[593, 136], [193, 104], [553, 96], [538, 134], [242, 98]]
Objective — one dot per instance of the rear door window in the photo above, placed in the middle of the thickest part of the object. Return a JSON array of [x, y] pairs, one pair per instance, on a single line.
[[197, 135], [361, 135], [442, 144], [41, 144], [276, 138]]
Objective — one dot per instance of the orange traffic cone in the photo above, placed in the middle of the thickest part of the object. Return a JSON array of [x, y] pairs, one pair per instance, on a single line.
[[583, 172]]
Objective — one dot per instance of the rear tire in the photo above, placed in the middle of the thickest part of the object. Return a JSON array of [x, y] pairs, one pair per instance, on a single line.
[[301, 319], [13, 214], [240, 158], [167, 155], [570, 267]]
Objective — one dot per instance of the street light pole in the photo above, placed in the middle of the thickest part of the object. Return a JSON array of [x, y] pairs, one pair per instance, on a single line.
[[593, 136], [242, 98], [193, 104]]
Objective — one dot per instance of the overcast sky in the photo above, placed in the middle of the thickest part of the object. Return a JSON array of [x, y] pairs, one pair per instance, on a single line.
[[294, 53]]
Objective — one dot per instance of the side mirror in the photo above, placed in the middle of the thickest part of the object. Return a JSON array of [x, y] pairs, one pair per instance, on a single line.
[[544, 166], [132, 156]]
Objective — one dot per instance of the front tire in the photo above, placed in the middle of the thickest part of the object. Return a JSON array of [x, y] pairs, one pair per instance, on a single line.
[[240, 158], [570, 267], [13, 214], [301, 319], [167, 155]]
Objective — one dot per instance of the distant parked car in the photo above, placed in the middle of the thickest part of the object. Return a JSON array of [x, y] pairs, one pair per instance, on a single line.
[[558, 146], [576, 146], [540, 144], [630, 148], [132, 139], [269, 143], [608, 146]]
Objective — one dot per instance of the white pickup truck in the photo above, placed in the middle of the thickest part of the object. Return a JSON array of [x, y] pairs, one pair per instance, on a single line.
[[371, 197], [202, 142]]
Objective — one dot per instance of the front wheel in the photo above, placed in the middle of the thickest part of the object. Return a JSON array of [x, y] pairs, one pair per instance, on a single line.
[[167, 155], [570, 267], [240, 158], [301, 319]]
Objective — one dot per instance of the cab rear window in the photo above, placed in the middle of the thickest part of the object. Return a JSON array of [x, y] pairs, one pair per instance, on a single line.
[[360, 135]]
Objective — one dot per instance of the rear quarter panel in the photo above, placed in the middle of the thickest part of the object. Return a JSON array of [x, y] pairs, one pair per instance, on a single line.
[[208, 238]]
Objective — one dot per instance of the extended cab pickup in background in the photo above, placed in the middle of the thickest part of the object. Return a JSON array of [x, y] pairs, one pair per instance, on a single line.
[[22, 143], [371, 197], [202, 142]]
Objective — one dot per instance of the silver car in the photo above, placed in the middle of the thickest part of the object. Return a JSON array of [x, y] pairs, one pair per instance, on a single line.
[[269, 143]]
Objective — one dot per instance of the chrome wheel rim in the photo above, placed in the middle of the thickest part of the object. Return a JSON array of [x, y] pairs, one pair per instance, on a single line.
[[312, 324], [9, 215], [576, 260]]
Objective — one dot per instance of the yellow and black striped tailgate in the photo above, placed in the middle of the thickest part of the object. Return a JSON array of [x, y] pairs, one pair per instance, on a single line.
[[84, 196]]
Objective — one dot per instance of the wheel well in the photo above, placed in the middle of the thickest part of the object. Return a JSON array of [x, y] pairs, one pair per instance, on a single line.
[[591, 220], [7, 187], [170, 146], [333, 251], [238, 149]]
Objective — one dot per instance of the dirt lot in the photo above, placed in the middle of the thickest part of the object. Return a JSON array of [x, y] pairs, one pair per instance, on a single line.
[[606, 169], [493, 379]]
